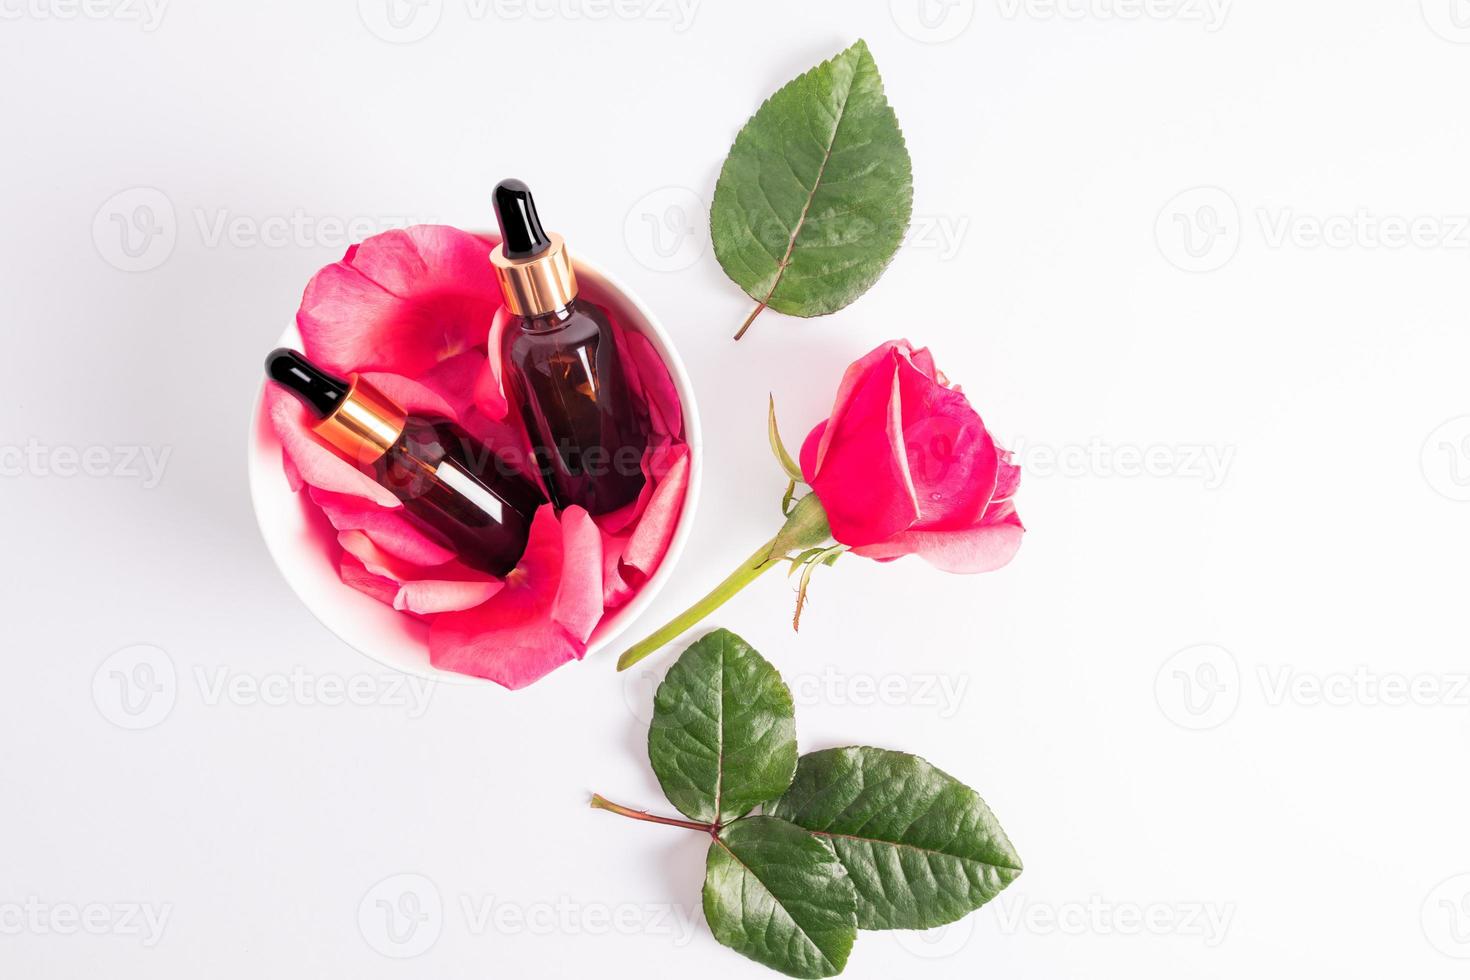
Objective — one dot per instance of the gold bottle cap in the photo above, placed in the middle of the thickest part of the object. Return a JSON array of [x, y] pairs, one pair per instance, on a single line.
[[537, 285], [364, 425]]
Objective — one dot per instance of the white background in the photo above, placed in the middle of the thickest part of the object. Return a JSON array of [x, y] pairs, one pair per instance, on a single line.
[[1185, 699]]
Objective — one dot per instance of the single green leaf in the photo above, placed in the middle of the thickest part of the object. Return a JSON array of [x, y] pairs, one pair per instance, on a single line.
[[788, 465], [778, 895], [817, 192], [723, 737], [921, 847]]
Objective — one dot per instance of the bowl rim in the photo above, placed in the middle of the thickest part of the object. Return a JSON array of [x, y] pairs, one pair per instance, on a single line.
[[607, 630]]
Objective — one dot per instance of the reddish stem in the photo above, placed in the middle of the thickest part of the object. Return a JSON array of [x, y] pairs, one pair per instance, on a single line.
[[751, 319], [599, 803]]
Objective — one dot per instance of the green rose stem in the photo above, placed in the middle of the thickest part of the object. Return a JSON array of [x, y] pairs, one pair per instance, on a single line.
[[806, 527], [600, 803]]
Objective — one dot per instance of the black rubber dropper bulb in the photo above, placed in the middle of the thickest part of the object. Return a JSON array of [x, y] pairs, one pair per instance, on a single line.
[[520, 225], [318, 390]]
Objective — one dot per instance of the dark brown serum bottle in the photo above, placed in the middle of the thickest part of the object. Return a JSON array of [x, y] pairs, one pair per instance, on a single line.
[[562, 367], [454, 488]]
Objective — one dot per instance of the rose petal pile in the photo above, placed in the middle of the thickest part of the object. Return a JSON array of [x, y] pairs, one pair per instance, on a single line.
[[413, 312], [905, 466]]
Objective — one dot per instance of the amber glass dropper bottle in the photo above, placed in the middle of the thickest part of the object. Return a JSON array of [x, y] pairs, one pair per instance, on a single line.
[[562, 366], [454, 488]]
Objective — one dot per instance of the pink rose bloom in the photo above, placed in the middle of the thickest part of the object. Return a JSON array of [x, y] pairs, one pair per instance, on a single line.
[[904, 466]]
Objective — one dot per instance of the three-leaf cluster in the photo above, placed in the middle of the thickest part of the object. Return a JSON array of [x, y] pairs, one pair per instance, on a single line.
[[848, 839]]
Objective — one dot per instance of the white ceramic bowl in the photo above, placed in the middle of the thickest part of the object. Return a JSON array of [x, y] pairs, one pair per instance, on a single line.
[[299, 536]]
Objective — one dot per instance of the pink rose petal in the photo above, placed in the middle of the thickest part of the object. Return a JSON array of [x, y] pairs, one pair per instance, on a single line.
[[952, 461], [863, 480], [428, 596], [857, 372], [453, 380], [512, 639], [401, 301], [449, 588], [489, 391], [313, 461], [616, 588], [1008, 479], [652, 385], [650, 540], [578, 604], [982, 548], [355, 574], [389, 530], [409, 395]]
